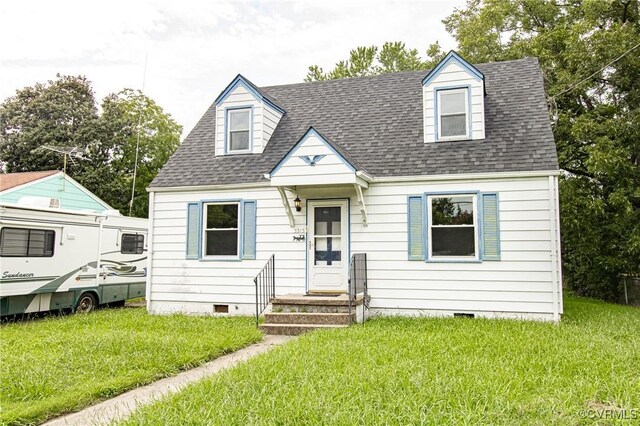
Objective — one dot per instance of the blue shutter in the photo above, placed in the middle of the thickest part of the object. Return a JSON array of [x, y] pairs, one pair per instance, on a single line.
[[193, 226], [415, 228], [490, 227], [249, 230]]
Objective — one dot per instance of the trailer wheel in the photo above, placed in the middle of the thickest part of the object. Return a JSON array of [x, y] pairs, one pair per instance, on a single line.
[[86, 303]]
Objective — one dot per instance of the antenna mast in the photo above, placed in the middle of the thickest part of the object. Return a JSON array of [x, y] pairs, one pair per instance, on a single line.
[[71, 152], [135, 164]]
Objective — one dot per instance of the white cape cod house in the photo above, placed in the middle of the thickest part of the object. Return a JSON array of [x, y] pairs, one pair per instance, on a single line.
[[435, 192]]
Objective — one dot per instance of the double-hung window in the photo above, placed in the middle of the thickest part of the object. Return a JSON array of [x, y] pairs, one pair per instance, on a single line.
[[23, 242], [453, 113], [239, 129], [452, 232], [221, 236]]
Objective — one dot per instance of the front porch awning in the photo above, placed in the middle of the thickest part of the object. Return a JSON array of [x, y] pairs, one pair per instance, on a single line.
[[317, 161]]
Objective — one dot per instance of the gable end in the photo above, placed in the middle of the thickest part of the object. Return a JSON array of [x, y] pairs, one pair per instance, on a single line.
[[453, 101], [253, 126]]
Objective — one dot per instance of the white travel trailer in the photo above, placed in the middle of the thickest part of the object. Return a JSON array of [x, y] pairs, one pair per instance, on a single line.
[[56, 259]]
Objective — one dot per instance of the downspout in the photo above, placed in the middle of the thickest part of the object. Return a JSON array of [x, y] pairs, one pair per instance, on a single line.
[[558, 243], [147, 294], [554, 249]]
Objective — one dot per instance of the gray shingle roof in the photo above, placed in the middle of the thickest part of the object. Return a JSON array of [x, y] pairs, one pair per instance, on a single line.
[[378, 121]]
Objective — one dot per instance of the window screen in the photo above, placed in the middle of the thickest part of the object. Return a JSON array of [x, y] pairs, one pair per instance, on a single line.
[[22, 242], [453, 113], [452, 224], [239, 128], [132, 244], [221, 230]]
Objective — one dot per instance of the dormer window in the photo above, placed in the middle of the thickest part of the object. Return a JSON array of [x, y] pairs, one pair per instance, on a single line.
[[453, 113], [453, 101], [239, 129], [246, 117]]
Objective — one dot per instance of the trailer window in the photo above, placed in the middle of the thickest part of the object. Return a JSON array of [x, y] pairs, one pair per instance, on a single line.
[[132, 244], [22, 242]]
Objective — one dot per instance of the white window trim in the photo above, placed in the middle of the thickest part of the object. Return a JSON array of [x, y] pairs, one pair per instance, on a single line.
[[466, 135], [230, 112], [430, 256], [205, 229]]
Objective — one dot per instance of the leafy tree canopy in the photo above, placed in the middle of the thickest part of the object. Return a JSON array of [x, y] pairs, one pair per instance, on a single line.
[[63, 112], [60, 112], [369, 60], [590, 57]]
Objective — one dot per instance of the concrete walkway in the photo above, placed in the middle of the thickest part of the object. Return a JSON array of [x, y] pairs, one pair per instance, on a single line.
[[121, 406]]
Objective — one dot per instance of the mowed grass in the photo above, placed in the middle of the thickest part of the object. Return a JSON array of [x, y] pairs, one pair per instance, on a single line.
[[430, 371], [60, 364]]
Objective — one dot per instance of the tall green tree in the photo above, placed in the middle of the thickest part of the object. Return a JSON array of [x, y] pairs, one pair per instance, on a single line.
[[63, 112], [589, 52], [132, 120], [369, 60]]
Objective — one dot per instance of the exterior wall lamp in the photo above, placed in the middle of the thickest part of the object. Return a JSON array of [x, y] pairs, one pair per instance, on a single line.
[[298, 203]]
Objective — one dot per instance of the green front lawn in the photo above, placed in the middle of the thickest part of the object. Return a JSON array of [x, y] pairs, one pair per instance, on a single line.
[[61, 364], [434, 371]]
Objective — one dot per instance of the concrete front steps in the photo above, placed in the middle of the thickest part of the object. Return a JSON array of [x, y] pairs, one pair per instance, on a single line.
[[294, 314]]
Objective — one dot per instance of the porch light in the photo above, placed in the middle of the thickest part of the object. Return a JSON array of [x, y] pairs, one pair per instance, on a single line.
[[298, 203]]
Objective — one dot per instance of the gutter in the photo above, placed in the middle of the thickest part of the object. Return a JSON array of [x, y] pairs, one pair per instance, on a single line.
[[370, 179]]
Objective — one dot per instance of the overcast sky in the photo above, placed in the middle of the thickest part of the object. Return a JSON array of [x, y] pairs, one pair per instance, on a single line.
[[195, 48]]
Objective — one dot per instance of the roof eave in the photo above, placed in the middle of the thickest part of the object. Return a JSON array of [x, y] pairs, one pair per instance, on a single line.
[[452, 56], [252, 88]]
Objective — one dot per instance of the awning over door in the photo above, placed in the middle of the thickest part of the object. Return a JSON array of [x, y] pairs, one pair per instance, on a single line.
[[316, 160]]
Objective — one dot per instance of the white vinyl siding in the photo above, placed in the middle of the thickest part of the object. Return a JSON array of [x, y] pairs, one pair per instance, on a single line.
[[521, 283], [180, 284]]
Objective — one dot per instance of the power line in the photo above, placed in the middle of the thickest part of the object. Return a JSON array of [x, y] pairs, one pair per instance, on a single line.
[[573, 86]]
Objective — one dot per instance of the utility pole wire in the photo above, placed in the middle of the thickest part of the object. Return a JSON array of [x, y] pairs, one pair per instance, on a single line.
[[573, 86], [135, 164]]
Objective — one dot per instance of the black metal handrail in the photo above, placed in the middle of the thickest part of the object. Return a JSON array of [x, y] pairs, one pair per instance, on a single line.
[[358, 280], [265, 283]]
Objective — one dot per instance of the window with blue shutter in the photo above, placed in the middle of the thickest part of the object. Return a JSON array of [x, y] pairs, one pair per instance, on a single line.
[[221, 229], [249, 230], [415, 219], [490, 227], [193, 232]]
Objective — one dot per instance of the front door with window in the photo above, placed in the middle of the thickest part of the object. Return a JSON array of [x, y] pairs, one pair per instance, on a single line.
[[328, 246]]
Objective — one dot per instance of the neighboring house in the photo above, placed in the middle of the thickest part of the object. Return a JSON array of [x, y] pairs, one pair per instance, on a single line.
[[50, 188], [447, 180]]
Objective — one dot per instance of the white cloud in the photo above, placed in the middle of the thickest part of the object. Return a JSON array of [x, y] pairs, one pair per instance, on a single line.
[[194, 48]]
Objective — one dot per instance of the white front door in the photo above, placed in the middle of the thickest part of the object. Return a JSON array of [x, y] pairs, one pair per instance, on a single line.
[[328, 246]]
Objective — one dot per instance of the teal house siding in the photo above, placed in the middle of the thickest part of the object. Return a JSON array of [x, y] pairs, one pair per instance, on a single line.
[[71, 194]]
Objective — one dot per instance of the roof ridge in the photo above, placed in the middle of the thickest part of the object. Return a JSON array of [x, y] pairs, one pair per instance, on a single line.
[[390, 74], [31, 171]]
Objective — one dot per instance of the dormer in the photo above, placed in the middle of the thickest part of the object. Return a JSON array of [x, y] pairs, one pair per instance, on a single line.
[[453, 101], [246, 117]]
